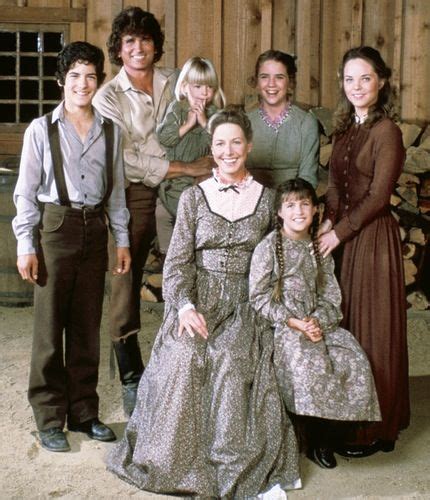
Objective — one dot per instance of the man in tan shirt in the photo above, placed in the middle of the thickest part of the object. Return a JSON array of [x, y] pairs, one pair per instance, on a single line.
[[136, 99]]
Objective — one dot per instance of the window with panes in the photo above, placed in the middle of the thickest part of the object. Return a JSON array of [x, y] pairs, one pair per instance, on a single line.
[[28, 87]]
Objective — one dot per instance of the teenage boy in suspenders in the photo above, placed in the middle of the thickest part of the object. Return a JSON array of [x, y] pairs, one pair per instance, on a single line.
[[71, 177]]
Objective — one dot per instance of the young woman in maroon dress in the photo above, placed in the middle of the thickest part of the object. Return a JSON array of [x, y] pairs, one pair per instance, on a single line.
[[367, 159]]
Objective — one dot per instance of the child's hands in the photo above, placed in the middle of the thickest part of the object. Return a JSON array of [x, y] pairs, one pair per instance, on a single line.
[[189, 123], [200, 110], [312, 329], [308, 326]]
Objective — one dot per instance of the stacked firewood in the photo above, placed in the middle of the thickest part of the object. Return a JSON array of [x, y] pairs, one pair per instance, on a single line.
[[410, 203]]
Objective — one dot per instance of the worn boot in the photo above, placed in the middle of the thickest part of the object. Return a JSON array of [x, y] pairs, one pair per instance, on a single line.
[[130, 367]]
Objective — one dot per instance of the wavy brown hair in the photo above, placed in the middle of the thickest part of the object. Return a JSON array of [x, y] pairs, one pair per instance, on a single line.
[[384, 106], [137, 22]]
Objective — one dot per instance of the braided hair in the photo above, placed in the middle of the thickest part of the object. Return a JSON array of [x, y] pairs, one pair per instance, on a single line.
[[302, 190]]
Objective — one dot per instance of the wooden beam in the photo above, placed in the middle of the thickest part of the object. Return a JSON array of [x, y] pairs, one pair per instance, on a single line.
[[41, 15], [266, 25]]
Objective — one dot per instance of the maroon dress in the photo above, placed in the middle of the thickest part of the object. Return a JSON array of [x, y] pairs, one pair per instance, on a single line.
[[365, 164]]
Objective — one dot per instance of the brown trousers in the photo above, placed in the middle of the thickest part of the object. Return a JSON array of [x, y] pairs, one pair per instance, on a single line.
[[125, 289], [67, 308]]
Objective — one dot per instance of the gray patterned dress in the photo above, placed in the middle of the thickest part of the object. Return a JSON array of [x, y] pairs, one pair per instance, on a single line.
[[209, 420], [330, 379]]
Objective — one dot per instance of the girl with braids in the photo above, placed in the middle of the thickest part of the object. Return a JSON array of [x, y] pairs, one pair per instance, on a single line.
[[321, 369]]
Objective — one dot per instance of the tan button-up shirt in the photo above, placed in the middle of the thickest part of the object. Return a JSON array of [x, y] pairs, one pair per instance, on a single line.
[[138, 115]]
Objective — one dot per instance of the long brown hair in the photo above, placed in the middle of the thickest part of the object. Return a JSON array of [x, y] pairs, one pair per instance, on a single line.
[[384, 106], [301, 189]]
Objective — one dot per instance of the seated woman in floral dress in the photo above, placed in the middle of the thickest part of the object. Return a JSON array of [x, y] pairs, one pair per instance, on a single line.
[[209, 420]]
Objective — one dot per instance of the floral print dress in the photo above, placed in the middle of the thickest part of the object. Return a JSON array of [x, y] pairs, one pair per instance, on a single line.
[[209, 420], [332, 378]]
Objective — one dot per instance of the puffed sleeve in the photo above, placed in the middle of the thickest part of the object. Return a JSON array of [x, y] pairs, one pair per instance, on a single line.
[[262, 281], [179, 273], [329, 298]]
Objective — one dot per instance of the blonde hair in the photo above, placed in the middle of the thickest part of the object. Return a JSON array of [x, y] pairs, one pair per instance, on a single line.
[[200, 71]]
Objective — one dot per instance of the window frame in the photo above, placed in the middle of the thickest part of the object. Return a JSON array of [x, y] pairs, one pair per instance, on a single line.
[[40, 28]]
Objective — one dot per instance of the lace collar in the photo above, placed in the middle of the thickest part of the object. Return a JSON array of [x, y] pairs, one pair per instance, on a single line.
[[278, 121], [234, 186]]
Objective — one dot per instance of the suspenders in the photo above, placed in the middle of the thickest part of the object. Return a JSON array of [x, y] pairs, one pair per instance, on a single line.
[[60, 181]]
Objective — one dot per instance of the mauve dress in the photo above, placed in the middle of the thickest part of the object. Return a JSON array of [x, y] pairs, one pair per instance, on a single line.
[[365, 164], [209, 420]]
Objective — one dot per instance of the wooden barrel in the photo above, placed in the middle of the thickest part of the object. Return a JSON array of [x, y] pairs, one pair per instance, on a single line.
[[14, 292]]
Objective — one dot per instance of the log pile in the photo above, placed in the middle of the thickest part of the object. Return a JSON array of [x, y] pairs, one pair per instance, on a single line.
[[410, 203]]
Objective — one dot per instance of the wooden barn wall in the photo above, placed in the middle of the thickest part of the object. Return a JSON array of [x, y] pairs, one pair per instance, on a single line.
[[233, 32]]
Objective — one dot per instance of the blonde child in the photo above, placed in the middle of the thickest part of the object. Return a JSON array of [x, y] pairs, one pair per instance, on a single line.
[[184, 136], [321, 369]]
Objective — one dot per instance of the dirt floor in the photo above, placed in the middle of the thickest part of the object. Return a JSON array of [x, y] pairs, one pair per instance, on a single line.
[[28, 471]]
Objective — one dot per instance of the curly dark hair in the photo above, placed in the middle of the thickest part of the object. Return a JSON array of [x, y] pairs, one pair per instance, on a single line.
[[287, 60], [134, 21], [232, 113], [82, 52], [384, 106]]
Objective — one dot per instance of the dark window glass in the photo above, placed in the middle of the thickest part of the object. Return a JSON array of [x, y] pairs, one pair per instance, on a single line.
[[7, 65], [29, 89], [52, 42], [7, 41], [7, 89], [51, 91], [7, 113], [49, 66], [28, 66], [48, 107], [29, 42], [28, 112]]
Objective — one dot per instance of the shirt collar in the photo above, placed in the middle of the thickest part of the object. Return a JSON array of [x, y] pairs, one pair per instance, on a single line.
[[123, 82], [58, 114]]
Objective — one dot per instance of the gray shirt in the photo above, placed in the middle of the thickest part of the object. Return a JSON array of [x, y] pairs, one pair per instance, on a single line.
[[85, 174]]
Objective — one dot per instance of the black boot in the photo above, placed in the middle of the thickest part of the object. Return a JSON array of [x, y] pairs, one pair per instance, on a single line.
[[130, 367]]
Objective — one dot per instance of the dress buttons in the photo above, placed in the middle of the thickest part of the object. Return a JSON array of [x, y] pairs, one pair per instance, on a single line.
[[82, 176], [346, 184], [346, 207], [346, 157], [345, 172], [347, 195]]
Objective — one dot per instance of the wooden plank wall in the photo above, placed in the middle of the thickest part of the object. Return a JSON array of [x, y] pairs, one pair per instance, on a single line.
[[233, 32]]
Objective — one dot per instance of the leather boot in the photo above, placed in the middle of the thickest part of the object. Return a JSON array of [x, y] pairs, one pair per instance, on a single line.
[[130, 367]]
